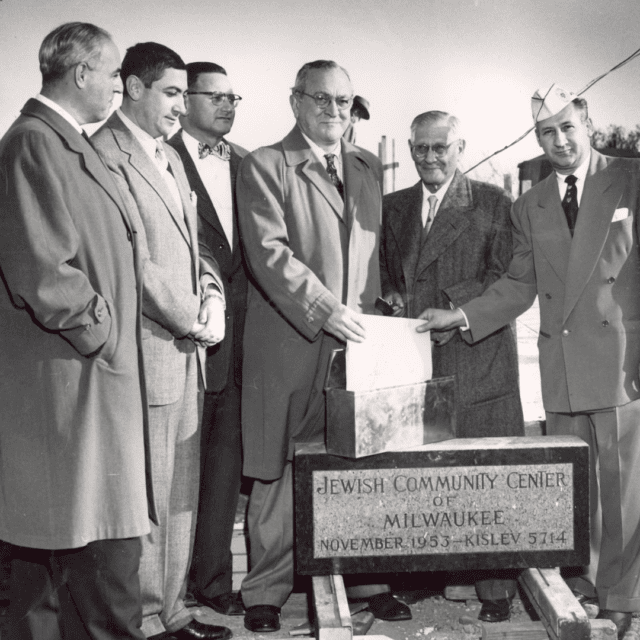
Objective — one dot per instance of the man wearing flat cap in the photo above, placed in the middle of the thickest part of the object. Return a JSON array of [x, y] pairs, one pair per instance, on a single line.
[[359, 111], [576, 247]]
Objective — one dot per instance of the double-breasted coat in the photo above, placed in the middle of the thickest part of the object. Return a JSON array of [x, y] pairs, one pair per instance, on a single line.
[[467, 249], [72, 441], [308, 251]]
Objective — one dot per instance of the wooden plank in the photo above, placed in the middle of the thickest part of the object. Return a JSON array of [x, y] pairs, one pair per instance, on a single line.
[[514, 631], [460, 592], [328, 591], [556, 605], [239, 563], [603, 630]]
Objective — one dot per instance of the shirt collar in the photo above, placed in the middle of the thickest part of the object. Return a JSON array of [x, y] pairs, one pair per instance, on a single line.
[[149, 144], [580, 173], [440, 193], [321, 153], [63, 113]]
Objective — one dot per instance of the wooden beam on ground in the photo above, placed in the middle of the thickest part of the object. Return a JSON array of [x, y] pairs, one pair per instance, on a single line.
[[333, 619], [529, 630], [555, 604], [603, 630], [460, 592]]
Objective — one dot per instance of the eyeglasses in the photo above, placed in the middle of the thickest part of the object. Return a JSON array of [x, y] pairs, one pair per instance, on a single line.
[[217, 98], [421, 151], [324, 99]]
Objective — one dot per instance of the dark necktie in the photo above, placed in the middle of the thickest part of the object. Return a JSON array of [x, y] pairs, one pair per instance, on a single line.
[[333, 174], [570, 202]]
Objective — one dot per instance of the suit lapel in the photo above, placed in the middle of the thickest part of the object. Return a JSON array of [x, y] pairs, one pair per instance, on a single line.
[[598, 202], [451, 220], [143, 164], [353, 179], [234, 166], [298, 152]]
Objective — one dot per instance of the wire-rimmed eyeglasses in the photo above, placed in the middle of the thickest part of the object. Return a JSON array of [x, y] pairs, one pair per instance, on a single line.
[[324, 99], [217, 97], [421, 151]]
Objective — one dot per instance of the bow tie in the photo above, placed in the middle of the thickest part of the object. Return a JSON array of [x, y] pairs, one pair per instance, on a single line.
[[221, 150]]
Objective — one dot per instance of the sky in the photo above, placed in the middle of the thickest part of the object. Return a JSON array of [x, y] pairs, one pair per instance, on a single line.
[[478, 59]]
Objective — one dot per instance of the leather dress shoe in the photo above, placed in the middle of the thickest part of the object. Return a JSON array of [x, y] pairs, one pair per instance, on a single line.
[[385, 607], [495, 610], [622, 620], [196, 630], [228, 604], [262, 618]]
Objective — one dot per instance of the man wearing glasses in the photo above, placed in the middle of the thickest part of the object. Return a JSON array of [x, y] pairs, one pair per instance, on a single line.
[[309, 209], [211, 164], [444, 241]]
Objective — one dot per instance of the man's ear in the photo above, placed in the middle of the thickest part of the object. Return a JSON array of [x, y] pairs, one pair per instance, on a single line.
[[589, 125], [535, 128], [293, 101], [134, 87], [463, 145], [80, 74]]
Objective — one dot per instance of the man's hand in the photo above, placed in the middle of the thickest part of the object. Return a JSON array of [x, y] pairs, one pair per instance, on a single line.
[[440, 320], [440, 338], [209, 327], [345, 325], [396, 301]]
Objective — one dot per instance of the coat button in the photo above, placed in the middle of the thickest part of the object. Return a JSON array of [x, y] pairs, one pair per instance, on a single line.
[[547, 296], [309, 318], [565, 332], [220, 246], [605, 323], [611, 280]]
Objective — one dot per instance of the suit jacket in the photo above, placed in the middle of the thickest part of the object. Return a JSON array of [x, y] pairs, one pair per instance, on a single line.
[[467, 249], [71, 284], [224, 359], [173, 266], [587, 287], [308, 251]]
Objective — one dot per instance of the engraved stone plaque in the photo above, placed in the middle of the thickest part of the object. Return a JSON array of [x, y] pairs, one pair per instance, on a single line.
[[460, 504]]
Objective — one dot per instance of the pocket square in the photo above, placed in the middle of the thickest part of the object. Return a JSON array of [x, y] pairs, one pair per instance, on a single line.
[[620, 214], [193, 196]]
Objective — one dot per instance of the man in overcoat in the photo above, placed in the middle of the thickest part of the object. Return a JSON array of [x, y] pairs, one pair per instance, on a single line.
[[183, 307], [211, 164], [309, 209], [74, 499], [576, 248], [444, 241]]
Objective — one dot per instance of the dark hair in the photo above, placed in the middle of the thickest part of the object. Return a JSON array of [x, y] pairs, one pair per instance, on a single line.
[[68, 45], [148, 61], [301, 76], [581, 105], [194, 69]]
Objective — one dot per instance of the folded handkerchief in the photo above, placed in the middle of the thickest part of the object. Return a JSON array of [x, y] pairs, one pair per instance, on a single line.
[[620, 214]]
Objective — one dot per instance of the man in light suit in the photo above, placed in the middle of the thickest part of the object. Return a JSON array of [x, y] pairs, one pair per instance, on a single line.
[[74, 499], [183, 307], [576, 247], [444, 241], [309, 209], [211, 164]]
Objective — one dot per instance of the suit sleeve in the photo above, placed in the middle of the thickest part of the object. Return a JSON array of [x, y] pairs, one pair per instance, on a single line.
[[39, 244], [288, 283], [171, 305], [514, 292], [496, 260]]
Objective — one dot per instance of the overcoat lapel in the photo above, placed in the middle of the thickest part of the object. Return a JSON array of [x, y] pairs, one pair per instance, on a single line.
[[92, 162], [597, 206], [353, 179], [450, 221], [405, 222], [143, 164], [298, 152], [234, 166]]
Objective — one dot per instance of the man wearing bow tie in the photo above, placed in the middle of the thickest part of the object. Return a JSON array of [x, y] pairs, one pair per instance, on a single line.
[[183, 307], [576, 247], [211, 164]]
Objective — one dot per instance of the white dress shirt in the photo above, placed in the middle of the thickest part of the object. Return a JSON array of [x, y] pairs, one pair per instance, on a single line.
[[320, 154], [150, 144], [439, 194], [215, 174], [63, 113], [580, 173]]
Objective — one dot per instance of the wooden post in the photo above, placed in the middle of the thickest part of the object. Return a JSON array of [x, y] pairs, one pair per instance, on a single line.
[[388, 168]]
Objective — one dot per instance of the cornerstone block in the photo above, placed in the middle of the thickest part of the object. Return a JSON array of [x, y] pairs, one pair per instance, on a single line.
[[476, 503]]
